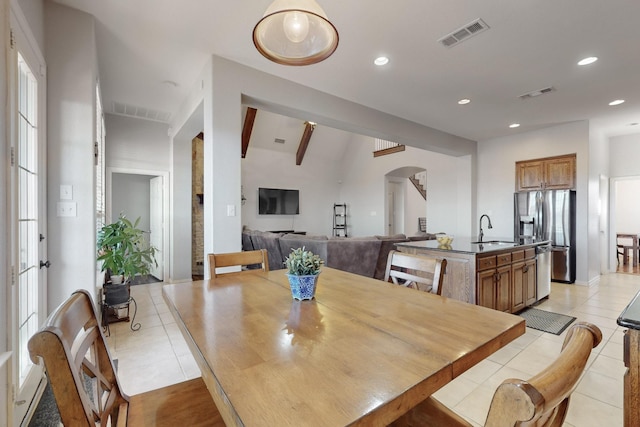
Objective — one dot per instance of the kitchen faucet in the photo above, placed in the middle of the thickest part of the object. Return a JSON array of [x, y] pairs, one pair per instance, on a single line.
[[481, 234]]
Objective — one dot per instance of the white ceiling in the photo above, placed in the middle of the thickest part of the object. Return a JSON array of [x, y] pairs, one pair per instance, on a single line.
[[530, 45]]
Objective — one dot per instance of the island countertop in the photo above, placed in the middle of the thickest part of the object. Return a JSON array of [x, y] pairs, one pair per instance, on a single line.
[[491, 273], [469, 245], [630, 317]]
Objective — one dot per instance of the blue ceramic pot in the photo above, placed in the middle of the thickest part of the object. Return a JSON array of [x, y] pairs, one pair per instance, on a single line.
[[303, 287]]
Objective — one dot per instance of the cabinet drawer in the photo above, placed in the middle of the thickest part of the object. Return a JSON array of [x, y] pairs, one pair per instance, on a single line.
[[487, 262], [504, 259], [529, 253], [517, 255]]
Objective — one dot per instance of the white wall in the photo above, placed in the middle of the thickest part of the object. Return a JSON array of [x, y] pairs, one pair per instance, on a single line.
[[136, 143], [363, 188], [597, 234], [496, 178], [627, 218], [71, 80], [33, 10], [130, 195], [317, 178], [624, 155], [358, 179]]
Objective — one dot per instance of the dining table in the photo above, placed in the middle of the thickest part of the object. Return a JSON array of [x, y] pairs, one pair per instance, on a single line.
[[362, 352]]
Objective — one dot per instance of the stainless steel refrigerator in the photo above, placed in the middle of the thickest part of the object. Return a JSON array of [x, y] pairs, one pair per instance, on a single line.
[[550, 215]]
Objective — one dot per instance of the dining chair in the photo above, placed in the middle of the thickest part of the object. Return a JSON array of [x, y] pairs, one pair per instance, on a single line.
[[241, 259], [543, 400], [622, 248], [416, 271], [85, 385]]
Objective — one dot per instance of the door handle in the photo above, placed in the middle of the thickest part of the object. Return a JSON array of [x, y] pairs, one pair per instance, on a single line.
[[45, 264]]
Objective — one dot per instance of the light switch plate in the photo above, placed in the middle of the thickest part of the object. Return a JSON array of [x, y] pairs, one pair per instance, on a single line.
[[231, 210], [67, 209], [66, 192]]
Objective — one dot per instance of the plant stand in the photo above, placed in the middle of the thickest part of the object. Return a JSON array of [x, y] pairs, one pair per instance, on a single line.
[[110, 311]]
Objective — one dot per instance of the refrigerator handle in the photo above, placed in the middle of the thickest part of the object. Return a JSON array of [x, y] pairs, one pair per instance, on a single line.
[[539, 204]]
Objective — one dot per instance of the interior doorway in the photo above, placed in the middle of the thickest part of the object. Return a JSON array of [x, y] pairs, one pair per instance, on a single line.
[[142, 194], [405, 202], [625, 211], [395, 207]]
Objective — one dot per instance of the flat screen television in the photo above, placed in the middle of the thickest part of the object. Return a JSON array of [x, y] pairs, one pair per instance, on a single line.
[[277, 201]]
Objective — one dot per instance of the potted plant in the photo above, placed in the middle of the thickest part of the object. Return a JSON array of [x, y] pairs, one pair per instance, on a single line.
[[303, 268], [123, 251]]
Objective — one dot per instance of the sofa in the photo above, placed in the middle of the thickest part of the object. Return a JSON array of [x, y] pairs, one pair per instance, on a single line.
[[366, 256]]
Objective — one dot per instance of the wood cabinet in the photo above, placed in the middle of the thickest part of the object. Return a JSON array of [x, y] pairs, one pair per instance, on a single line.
[[523, 276], [494, 282], [507, 282], [551, 173]]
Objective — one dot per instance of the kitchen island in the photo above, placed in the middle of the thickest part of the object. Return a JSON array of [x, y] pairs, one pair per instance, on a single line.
[[497, 273]]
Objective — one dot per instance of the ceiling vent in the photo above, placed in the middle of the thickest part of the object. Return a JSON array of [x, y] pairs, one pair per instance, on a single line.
[[538, 92], [279, 141], [122, 109], [463, 33]]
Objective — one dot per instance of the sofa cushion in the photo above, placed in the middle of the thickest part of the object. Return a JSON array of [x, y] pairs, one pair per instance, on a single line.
[[293, 241], [247, 244], [355, 255], [270, 242]]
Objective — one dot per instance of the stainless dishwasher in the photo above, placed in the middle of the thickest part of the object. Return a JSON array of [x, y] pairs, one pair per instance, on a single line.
[[543, 271]]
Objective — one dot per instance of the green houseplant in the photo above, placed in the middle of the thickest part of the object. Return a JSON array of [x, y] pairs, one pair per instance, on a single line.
[[303, 268], [124, 251]]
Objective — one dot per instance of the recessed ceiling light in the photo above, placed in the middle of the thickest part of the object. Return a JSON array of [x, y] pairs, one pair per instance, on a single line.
[[616, 102], [514, 125], [381, 60], [464, 101], [587, 61]]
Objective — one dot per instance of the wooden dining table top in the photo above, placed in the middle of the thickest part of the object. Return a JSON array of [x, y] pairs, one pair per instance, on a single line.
[[363, 352]]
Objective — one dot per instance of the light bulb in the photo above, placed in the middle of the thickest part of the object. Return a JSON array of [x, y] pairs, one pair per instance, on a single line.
[[296, 26]]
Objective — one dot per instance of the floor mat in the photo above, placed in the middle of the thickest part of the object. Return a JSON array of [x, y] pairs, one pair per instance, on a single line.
[[546, 321]]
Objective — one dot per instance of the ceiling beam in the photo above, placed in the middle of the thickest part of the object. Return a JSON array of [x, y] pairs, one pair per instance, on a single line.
[[249, 119], [304, 141]]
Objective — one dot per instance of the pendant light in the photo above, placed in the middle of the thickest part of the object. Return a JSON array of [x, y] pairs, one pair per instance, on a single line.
[[295, 32]]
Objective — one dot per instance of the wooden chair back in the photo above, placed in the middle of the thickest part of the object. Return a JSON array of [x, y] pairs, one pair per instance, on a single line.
[[420, 272], [542, 401], [78, 365], [85, 385], [242, 259]]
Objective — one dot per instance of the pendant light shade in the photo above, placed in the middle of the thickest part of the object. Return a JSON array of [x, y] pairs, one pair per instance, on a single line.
[[295, 32]]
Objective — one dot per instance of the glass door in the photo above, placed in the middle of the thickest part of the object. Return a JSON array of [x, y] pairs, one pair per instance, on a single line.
[[28, 219]]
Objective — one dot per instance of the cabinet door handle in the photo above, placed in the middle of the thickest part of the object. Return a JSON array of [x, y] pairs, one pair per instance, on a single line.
[[525, 269]]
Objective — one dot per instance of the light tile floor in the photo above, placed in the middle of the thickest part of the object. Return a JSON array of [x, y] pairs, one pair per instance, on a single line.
[[157, 355]]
